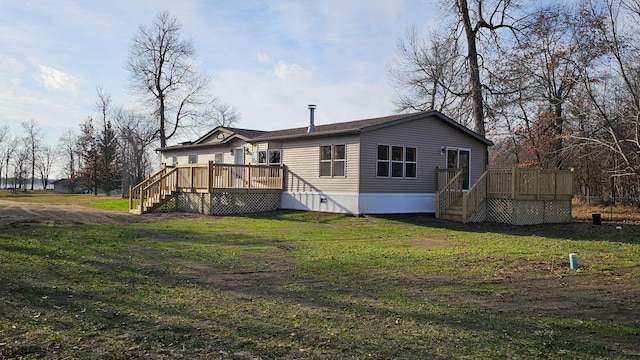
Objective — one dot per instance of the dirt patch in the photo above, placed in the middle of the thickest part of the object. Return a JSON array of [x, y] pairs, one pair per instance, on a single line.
[[22, 214]]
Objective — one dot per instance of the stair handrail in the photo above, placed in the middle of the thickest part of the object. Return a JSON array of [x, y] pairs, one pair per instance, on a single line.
[[472, 199], [137, 192], [451, 192]]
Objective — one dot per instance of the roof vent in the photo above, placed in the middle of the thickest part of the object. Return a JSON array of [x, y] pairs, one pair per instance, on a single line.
[[312, 126]]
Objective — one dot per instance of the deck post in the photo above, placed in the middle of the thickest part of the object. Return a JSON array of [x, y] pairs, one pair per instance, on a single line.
[[210, 170], [249, 177], [130, 197]]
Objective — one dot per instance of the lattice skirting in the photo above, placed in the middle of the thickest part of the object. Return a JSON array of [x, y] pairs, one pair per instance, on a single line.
[[527, 212], [224, 203]]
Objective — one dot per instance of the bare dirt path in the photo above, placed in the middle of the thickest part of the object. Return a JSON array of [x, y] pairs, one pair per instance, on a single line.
[[17, 214]]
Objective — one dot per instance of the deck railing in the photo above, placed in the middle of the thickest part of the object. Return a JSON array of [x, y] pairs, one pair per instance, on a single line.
[[208, 177], [529, 184], [450, 192], [472, 199], [203, 178], [502, 183]]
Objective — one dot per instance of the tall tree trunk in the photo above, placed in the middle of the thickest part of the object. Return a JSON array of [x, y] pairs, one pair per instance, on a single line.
[[474, 69]]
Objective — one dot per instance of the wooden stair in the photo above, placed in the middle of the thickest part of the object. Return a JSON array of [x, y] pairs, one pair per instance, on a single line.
[[454, 212], [151, 204], [153, 192]]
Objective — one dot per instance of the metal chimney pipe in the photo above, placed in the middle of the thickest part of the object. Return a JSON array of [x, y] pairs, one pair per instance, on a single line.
[[312, 126]]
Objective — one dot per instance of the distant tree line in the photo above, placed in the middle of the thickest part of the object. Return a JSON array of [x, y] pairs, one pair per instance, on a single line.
[[553, 84]]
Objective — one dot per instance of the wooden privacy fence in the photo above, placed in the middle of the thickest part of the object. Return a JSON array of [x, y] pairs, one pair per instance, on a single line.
[[202, 178]]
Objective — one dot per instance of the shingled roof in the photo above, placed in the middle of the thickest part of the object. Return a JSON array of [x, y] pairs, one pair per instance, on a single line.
[[359, 126], [342, 128]]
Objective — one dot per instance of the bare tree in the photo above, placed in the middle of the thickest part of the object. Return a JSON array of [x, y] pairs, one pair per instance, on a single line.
[[46, 159], [21, 162], [33, 142], [224, 114], [430, 74], [453, 71], [137, 134], [9, 148], [68, 149], [4, 142], [557, 45], [163, 73], [488, 16], [613, 88]]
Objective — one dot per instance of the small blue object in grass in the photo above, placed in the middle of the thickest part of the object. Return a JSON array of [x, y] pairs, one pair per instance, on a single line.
[[573, 261]]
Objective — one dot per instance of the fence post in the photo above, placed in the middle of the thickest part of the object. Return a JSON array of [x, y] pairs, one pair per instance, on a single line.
[[248, 177]]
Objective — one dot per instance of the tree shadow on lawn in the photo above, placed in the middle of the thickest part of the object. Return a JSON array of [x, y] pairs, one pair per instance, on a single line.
[[576, 230]]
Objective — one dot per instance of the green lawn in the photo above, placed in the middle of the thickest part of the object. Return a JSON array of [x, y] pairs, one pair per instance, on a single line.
[[297, 285]]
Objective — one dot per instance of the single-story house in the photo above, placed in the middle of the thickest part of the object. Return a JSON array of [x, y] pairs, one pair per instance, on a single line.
[[374, 166]]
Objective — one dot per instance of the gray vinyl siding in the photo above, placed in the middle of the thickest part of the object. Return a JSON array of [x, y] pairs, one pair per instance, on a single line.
[[427, 136], [302, 160]]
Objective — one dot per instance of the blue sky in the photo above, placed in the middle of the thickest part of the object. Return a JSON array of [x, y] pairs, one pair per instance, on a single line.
[[269, 59]]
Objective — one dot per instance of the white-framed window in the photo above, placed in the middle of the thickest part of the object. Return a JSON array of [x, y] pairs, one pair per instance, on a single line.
[[399, 162], [274, 157], [218, 158], [193, 159], [174, 160], [262, 157], [333, 160]]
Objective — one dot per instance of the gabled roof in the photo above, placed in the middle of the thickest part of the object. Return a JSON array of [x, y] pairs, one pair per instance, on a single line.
[[359, 126], [234, 133]]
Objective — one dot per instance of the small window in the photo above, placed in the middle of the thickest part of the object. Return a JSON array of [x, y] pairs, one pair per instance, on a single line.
[[333, 160], [411, 162], [219, 158], [274, 157], [262, 157], [174, 160], [193, 159], [383, 161]]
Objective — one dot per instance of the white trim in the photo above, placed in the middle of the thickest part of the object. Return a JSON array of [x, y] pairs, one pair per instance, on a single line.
[[391, 203], [354, 203], [346, 203]]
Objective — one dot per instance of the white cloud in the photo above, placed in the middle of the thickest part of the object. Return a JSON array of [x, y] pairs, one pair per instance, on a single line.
[[263, 58], [57, 80], [293, 72]]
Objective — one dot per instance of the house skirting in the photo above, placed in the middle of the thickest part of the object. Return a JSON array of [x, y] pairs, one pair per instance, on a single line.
[[523, 212], [359, 204], [223, 202]]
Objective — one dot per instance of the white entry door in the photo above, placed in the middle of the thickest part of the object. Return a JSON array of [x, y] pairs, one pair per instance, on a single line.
[[238, 171]]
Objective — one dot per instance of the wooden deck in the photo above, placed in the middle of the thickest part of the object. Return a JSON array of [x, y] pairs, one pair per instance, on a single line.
[[516, 184], [202, 178]]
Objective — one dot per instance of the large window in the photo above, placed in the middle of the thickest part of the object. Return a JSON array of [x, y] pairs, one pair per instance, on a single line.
[[397, 162], [332, 160]]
